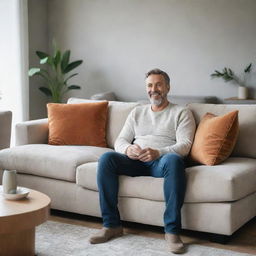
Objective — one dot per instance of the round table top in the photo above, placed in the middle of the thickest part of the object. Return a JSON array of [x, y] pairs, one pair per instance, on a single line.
[[25, 213]]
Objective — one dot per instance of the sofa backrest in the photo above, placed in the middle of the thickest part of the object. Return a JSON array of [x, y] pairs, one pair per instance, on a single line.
[[117, 114], [246, 142]]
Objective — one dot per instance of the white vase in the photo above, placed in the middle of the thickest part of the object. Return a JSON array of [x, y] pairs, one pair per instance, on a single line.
[[242, 92], [9, 182]]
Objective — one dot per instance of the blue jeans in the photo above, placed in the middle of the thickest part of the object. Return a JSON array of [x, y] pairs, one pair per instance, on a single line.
[[169, 166]]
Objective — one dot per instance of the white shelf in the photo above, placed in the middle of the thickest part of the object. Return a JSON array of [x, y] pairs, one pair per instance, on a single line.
[[238, 101]]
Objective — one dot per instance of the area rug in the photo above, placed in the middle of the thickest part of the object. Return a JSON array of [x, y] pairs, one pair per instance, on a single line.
[[60, 239]]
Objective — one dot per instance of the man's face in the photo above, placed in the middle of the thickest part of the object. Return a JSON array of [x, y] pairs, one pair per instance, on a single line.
[[157, 89]]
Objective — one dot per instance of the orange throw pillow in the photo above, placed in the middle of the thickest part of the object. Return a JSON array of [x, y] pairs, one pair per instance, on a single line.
[[215, 138], [78, 124]]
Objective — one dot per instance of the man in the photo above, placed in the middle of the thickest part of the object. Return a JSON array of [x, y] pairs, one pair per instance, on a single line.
[[153, 142]]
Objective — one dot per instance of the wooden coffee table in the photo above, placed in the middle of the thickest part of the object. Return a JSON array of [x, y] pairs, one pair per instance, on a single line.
[[18, 220]]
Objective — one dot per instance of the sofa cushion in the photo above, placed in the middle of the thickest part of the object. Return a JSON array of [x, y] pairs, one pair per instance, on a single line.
[[117, 114], [58, 162], [246, 141], [104, 96], [233, 179], [78, 124], [215, 138]]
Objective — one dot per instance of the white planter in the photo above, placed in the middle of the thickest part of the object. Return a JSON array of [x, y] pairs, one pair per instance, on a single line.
[[242, 92], [9, 182]]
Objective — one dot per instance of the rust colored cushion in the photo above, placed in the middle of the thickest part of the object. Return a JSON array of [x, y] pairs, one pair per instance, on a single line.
[[215, 138], [77, 124]]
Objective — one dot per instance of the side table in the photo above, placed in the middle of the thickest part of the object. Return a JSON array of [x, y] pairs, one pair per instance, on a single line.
[[18, 220]]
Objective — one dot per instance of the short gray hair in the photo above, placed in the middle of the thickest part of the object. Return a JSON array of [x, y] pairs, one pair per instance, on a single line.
[[157, 71]]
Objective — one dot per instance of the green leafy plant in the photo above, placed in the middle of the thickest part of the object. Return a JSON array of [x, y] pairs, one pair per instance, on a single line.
[[228, 75], [56, 76]]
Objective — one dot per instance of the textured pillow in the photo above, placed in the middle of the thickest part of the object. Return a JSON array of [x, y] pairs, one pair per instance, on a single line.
[[215, 138], [78, 124]]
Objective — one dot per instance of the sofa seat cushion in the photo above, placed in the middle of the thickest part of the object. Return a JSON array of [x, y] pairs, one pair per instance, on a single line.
[[233, 179], [57, 162]]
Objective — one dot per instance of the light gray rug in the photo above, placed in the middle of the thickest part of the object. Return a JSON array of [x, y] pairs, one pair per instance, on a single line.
[[59, 239]]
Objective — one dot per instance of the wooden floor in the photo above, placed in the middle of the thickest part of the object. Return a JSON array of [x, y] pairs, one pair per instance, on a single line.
[[244, 240]]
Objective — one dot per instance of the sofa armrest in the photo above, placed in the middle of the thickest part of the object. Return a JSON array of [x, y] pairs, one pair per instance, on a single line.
[[5, 128], [32, 132]]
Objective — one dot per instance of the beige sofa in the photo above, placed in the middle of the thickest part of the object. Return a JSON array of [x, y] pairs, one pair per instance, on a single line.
[[219, 199]]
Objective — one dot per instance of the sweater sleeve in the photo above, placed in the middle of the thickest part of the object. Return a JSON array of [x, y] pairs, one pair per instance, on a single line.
[[127, 134], [185, 130]]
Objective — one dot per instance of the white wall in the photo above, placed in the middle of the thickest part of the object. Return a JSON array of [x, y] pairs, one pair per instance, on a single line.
[[14, 59], [119, 40]]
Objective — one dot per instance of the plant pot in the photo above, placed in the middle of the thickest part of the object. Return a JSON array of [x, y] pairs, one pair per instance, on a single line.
[[242, 92]]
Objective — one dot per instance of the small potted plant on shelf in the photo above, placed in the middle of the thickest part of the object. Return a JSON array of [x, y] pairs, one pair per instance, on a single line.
[[228, 75], [57, 75]]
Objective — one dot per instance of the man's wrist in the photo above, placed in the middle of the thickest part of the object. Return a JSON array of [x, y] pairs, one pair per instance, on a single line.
[[125, 151]]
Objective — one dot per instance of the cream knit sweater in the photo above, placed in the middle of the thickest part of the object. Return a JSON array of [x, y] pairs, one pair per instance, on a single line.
[[169, 131]]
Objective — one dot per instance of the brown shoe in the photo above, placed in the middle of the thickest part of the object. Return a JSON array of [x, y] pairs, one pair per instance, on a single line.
[[106, 234], [174, 243]]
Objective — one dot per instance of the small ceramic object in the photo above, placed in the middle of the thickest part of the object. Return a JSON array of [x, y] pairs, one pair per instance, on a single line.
[[9, 182], [20, 194], [242, 92]]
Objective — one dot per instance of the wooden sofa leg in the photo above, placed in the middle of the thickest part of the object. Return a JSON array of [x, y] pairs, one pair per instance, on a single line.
[[220, 239]]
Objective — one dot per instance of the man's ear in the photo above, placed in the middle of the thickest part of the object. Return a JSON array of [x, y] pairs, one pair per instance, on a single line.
[[168, 87]]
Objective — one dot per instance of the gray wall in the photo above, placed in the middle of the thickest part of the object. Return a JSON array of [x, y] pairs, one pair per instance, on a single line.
[[38, 40], [119, 40]]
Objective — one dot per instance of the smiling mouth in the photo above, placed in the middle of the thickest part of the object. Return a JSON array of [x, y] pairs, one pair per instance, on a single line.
[[154, 94]]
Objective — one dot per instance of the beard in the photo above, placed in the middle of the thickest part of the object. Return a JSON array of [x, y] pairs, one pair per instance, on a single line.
[[156, 102], [159, 101]]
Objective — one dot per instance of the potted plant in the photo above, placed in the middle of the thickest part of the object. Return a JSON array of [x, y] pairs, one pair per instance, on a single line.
[[228, 75], [56, 77]]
